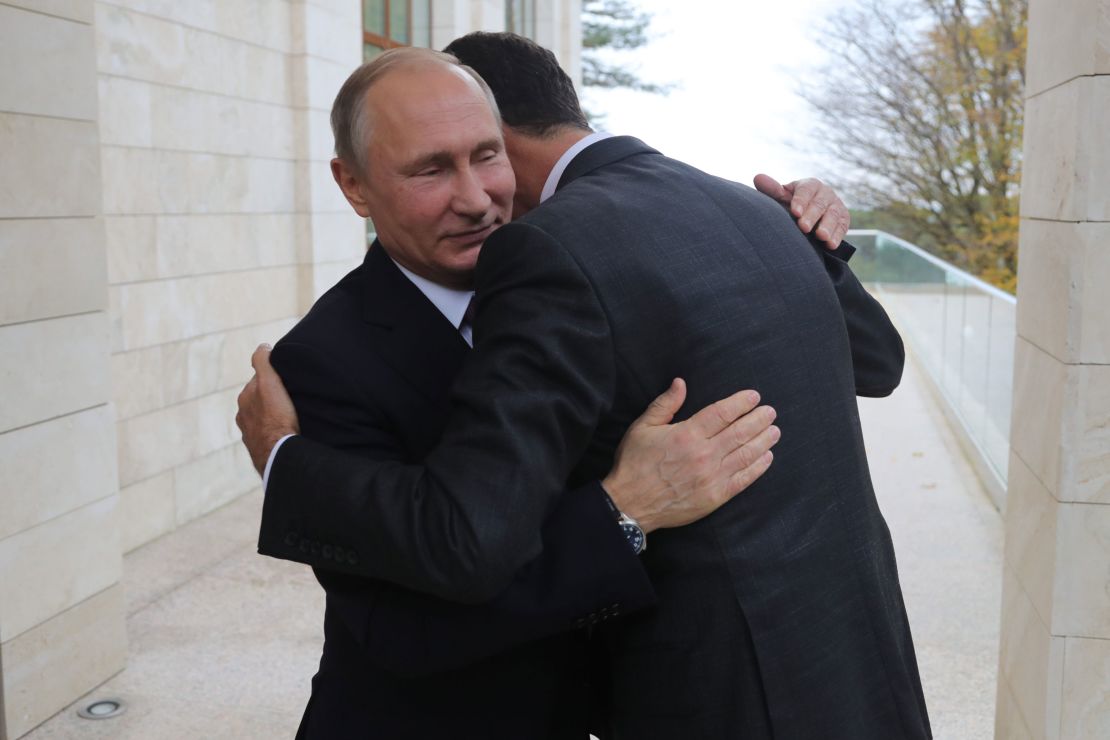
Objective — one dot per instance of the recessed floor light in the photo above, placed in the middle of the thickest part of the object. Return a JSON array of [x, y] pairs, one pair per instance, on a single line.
[[102, 709]]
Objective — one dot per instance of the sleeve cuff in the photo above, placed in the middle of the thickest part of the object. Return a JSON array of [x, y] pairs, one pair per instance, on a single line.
[[270, 461]]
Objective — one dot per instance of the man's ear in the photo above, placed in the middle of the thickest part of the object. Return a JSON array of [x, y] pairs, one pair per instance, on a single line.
[[350, 182]]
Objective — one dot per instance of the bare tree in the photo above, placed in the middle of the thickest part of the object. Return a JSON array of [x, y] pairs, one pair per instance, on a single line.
[[923, 105]]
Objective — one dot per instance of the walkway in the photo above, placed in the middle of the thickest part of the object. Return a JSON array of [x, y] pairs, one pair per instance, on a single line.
[[223, 642]]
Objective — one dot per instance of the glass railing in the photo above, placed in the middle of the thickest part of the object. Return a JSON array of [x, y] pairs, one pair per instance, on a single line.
[[959, 327]]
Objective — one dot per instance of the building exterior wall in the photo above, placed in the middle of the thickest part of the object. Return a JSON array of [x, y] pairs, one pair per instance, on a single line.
[[166, 204], [1054, 669], [222, 224], [61, 606]]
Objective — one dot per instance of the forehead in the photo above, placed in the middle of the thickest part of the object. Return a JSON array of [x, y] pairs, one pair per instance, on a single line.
[[428, 107]]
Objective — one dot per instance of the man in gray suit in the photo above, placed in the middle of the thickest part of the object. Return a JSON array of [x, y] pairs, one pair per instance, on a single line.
[[780, 615]]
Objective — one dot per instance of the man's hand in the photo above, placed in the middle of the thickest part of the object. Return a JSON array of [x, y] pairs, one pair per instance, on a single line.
[[266, 412], [812, 203], [668, 475]]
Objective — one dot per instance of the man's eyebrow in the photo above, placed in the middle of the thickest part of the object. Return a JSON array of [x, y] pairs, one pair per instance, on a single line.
[[493, 143], [443, 159], [436, 159]]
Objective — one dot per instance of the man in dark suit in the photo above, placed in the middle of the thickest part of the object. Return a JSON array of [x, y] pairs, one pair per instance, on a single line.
[[369, 369], [780, 614]]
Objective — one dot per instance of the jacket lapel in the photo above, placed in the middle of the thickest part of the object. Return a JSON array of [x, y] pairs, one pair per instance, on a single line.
[[600, 154], [407, 330]]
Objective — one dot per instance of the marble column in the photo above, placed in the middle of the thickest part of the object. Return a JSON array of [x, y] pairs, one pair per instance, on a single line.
[[1054, 672]]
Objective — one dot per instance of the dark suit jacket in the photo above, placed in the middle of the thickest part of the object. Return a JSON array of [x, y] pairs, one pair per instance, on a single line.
[[369, 369], [779, 614]]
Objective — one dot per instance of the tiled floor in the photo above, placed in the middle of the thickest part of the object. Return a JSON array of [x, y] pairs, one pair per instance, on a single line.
[[223, 642]]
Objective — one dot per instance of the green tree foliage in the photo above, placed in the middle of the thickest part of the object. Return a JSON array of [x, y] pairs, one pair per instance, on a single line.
[[923, 108], [614, 25]]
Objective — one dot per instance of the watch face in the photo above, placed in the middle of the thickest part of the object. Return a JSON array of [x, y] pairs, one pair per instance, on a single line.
[[635, 536]]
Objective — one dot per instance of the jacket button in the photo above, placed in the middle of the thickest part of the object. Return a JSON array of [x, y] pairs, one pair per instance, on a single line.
[[339, 552], [291, 539], [303, 546], [326, 552], [352, 557]]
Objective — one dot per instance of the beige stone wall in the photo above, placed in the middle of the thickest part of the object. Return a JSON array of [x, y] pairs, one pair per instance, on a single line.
[[61, 610], [222, 223], [1054, 677]]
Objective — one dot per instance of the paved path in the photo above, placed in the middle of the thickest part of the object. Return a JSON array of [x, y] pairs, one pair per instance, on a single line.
[[223, 642]]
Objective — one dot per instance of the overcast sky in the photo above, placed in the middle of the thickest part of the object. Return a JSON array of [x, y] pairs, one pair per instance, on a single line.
[[738, 64]]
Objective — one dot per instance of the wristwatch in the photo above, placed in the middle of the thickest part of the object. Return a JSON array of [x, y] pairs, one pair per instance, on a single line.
[[631, 528]]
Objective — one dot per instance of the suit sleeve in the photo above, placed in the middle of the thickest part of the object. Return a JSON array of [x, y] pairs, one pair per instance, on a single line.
[[461, 525], [878, 356], [585, 572]]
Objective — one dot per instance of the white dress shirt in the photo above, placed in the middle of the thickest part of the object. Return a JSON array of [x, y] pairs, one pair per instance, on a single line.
[[453, 303]]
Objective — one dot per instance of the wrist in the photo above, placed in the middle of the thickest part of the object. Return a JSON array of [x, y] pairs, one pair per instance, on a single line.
[[621, 501], [633, 529]]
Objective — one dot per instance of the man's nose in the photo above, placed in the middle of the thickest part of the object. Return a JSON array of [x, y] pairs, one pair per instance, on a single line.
[[471, 197]]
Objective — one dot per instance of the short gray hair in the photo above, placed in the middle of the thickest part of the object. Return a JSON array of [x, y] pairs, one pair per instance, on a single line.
[[348, 113]]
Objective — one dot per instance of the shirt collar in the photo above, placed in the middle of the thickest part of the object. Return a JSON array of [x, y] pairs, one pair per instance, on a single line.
[[451, 303], [560, 167]]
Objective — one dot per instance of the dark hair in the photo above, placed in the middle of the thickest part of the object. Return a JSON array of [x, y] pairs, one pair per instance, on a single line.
[[534, 94]]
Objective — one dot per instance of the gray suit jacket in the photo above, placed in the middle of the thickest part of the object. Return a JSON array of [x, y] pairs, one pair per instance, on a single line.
[[780, 614]]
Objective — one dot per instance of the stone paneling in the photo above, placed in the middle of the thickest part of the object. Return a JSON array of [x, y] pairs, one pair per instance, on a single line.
[[315, 136], [142, 47], [323, 78], [324, 196], [153, 181], [51, 267], [146, 510], [148, 379], [1031, 536], [125, 112], [1009, 724], [145, 248], [1088, 473], [63, 83], [172, 310], [62, 368], [56, 565], [1031, 661], [1044, 392], [175, 435], [36, 488], [259, 22], [1061, 292], [1082, 599], [328, 34], [212, 481], [1065, 44], [189, 120], [1086, 712], [1094, 299], [50, 167], [49, 666], [74, 10], [1066, 163]]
